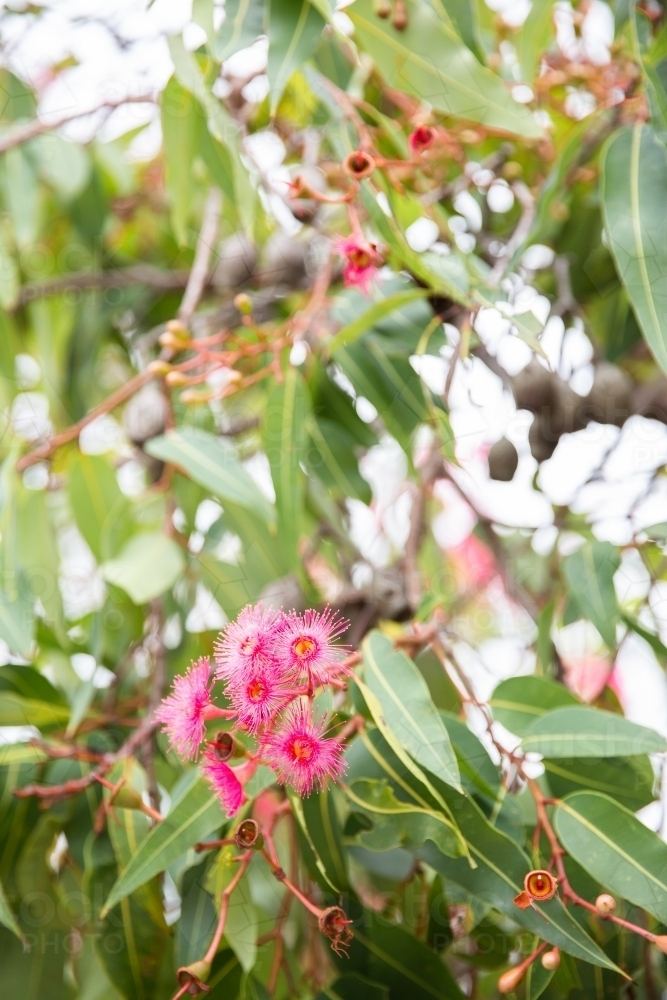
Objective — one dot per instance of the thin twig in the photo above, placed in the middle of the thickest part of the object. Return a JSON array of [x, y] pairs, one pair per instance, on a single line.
[[121, 277], [201, 267], [23, 133]]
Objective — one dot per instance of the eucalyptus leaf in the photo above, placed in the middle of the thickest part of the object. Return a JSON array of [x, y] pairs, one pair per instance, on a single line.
[[148, 564], [589, 578], [589, 732]]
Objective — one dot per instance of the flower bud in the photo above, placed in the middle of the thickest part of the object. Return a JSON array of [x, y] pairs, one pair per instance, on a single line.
[[248, 836], [551, 959], [174, 379], [605, 904], [159, 367], [178, 330], [171, 342], [243, 303], [511, 979]]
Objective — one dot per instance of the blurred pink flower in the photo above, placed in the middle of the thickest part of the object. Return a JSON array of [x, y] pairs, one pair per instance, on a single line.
[[474, 564], [362, 262], [183, 713], [300, 754], [586, 675]]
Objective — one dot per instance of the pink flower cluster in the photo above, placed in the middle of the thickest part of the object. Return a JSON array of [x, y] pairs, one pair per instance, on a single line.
[[271, 664]]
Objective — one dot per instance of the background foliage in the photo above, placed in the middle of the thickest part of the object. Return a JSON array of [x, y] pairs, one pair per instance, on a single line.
[[154, 482]]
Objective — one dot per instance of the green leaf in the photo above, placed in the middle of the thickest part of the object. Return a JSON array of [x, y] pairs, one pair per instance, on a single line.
[[18, 711], [537, 980], [534, 38], [399, 824], [39, 557], [384, 307], [588, 732], [500, 864], [212, 463], [146, 567], [318, 817], [589, 578], [634, 202], [17, 622], [519, 701], [407, 966], [101, 511], [7, 918], [284, 431], [427, 59], [407, 709], [331, 457], [651, 638], [628, 780], [193, 816], [465, 20], [613, 846], [244, 22], [241, 924], [196, 924], [180, 125], [353, 986], [294, 29]]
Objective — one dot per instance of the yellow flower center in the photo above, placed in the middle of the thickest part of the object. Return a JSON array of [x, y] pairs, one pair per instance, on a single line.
[[256, 690], [303, 646], [302, 749]]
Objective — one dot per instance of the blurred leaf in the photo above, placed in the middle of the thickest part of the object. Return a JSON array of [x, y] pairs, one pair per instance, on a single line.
[[407, 708], [225, 978], [537, 980], [536, 33], [651, 638], [519, 701], [377, 311], [244, 22], [284, 432], [463, 16], [589, 578], [193, 816], [634, 201], [180, 126], [331, 456], [17, 623], [198, 918], [65, 165], [588, 732], [428, 59], [353, 986], [39, 557], [18, 711], [628, 780], [147, 566], [10, 279], [7, 918], [616, 848], [102, 512], [22, 196], [294, 28], [212, 463]]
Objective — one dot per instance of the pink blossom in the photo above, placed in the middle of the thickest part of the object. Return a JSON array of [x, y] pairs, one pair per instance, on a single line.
[[474, 564], [299, 753], [306, 644], [223, 781], [586, 675], [258, 696], [247, 643], [183, 713], [362, 262]]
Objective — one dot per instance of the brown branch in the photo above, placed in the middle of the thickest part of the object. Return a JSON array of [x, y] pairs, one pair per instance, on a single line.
[[122, 277], [47, 449], [201, 267], [23, 133]]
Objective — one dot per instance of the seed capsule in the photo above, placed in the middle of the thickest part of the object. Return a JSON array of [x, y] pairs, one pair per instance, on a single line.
[[248, 836], [540, 885], [359, 165], [551, 959]]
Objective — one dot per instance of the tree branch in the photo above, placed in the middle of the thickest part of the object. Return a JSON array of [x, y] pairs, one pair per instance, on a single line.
[[201, 269], [23, 133]]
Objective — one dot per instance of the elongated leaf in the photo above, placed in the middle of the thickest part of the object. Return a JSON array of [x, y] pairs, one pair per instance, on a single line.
[[244, 22], [284, 432], [318, 816], [399, 824], [18, 711], [7, 918], [101, 511], [588, 732], [500, 864], [180, 115], [196, 924], [408, 966], [352, 331], [352, 986], [241, 923], [634, 200], [615, 848], [589, 577], [294, 29], [407, 707], [17, 622], [628, 780], [213, 464], [331, 457], [148, 565], [428, 60], [194, 815], [519, 701]]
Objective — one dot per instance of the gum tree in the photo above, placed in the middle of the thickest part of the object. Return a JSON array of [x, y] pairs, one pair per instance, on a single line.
[[266, 543]]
